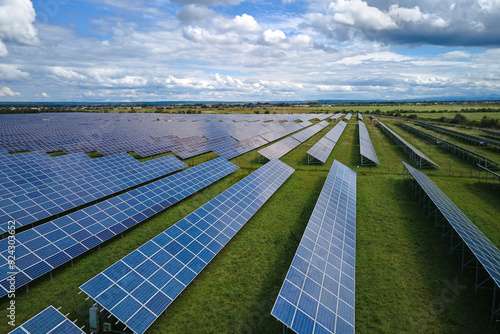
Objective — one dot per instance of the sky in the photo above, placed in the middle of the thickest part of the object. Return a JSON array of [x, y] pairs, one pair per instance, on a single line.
[[248, 50]]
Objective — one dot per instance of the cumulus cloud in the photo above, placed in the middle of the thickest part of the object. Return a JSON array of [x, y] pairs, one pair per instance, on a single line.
[[16, 23], [241, 23], [358, 13], [277, 38], [6, 91], [449, 23]]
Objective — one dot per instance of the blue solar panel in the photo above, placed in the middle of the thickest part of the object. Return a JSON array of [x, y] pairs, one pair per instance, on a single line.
[[139, 287], [317, 295], [279, 149], [69, 183], [51, 244], [324, 147], [49, 321], [482, 248]]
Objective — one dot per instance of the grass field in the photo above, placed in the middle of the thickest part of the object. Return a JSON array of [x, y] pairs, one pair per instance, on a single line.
[[407, 281]]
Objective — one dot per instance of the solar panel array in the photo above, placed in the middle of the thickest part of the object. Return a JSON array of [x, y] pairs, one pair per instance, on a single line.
[[49, 321], [348, 116], [317, 295], [35, 186], [482, 248], [367, 151], [420, 159], [322, 149], [145, 133], [360, 117], [45, 247], [279, 149], [138, 288]]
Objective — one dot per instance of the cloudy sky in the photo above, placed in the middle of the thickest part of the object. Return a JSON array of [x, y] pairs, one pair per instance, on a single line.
[[248, 50]]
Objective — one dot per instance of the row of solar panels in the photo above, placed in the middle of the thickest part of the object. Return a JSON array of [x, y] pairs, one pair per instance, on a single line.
[[138, 288], [43, 248], [322, 149], [477, 140], [318, 291], [417, 157], [472, 238], [480, 159], [279, 149], [35, 186]]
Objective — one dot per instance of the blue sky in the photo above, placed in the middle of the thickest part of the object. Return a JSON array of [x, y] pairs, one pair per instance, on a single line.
[[254, 50]]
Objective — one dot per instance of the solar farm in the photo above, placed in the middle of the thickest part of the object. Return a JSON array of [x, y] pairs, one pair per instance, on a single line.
[[247, 223]]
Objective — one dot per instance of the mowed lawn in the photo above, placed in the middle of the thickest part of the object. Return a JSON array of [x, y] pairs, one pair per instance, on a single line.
[[406, 279]]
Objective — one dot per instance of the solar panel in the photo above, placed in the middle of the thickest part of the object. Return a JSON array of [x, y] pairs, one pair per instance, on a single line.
[[348, 116], [317, 295], [322, 149], [138, 288], [307, 133], [335, 133], [279, 149], [367, 151], [415, 155], [482, 248], [45, 247], [360, 117], [49, 321]]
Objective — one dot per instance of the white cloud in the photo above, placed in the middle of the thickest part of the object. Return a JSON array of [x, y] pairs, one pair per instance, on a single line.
[[201, 35], [335, 88], [45, 95], [10, 72], [243, 23], [6, 91], [400, 14], [16, 23], [273, 36], [358, 13]]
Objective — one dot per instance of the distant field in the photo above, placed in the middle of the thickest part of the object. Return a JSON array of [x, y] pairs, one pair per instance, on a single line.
[[404, 269]]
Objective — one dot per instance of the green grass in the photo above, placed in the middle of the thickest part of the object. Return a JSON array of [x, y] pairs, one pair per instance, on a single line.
[[407, 281]]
